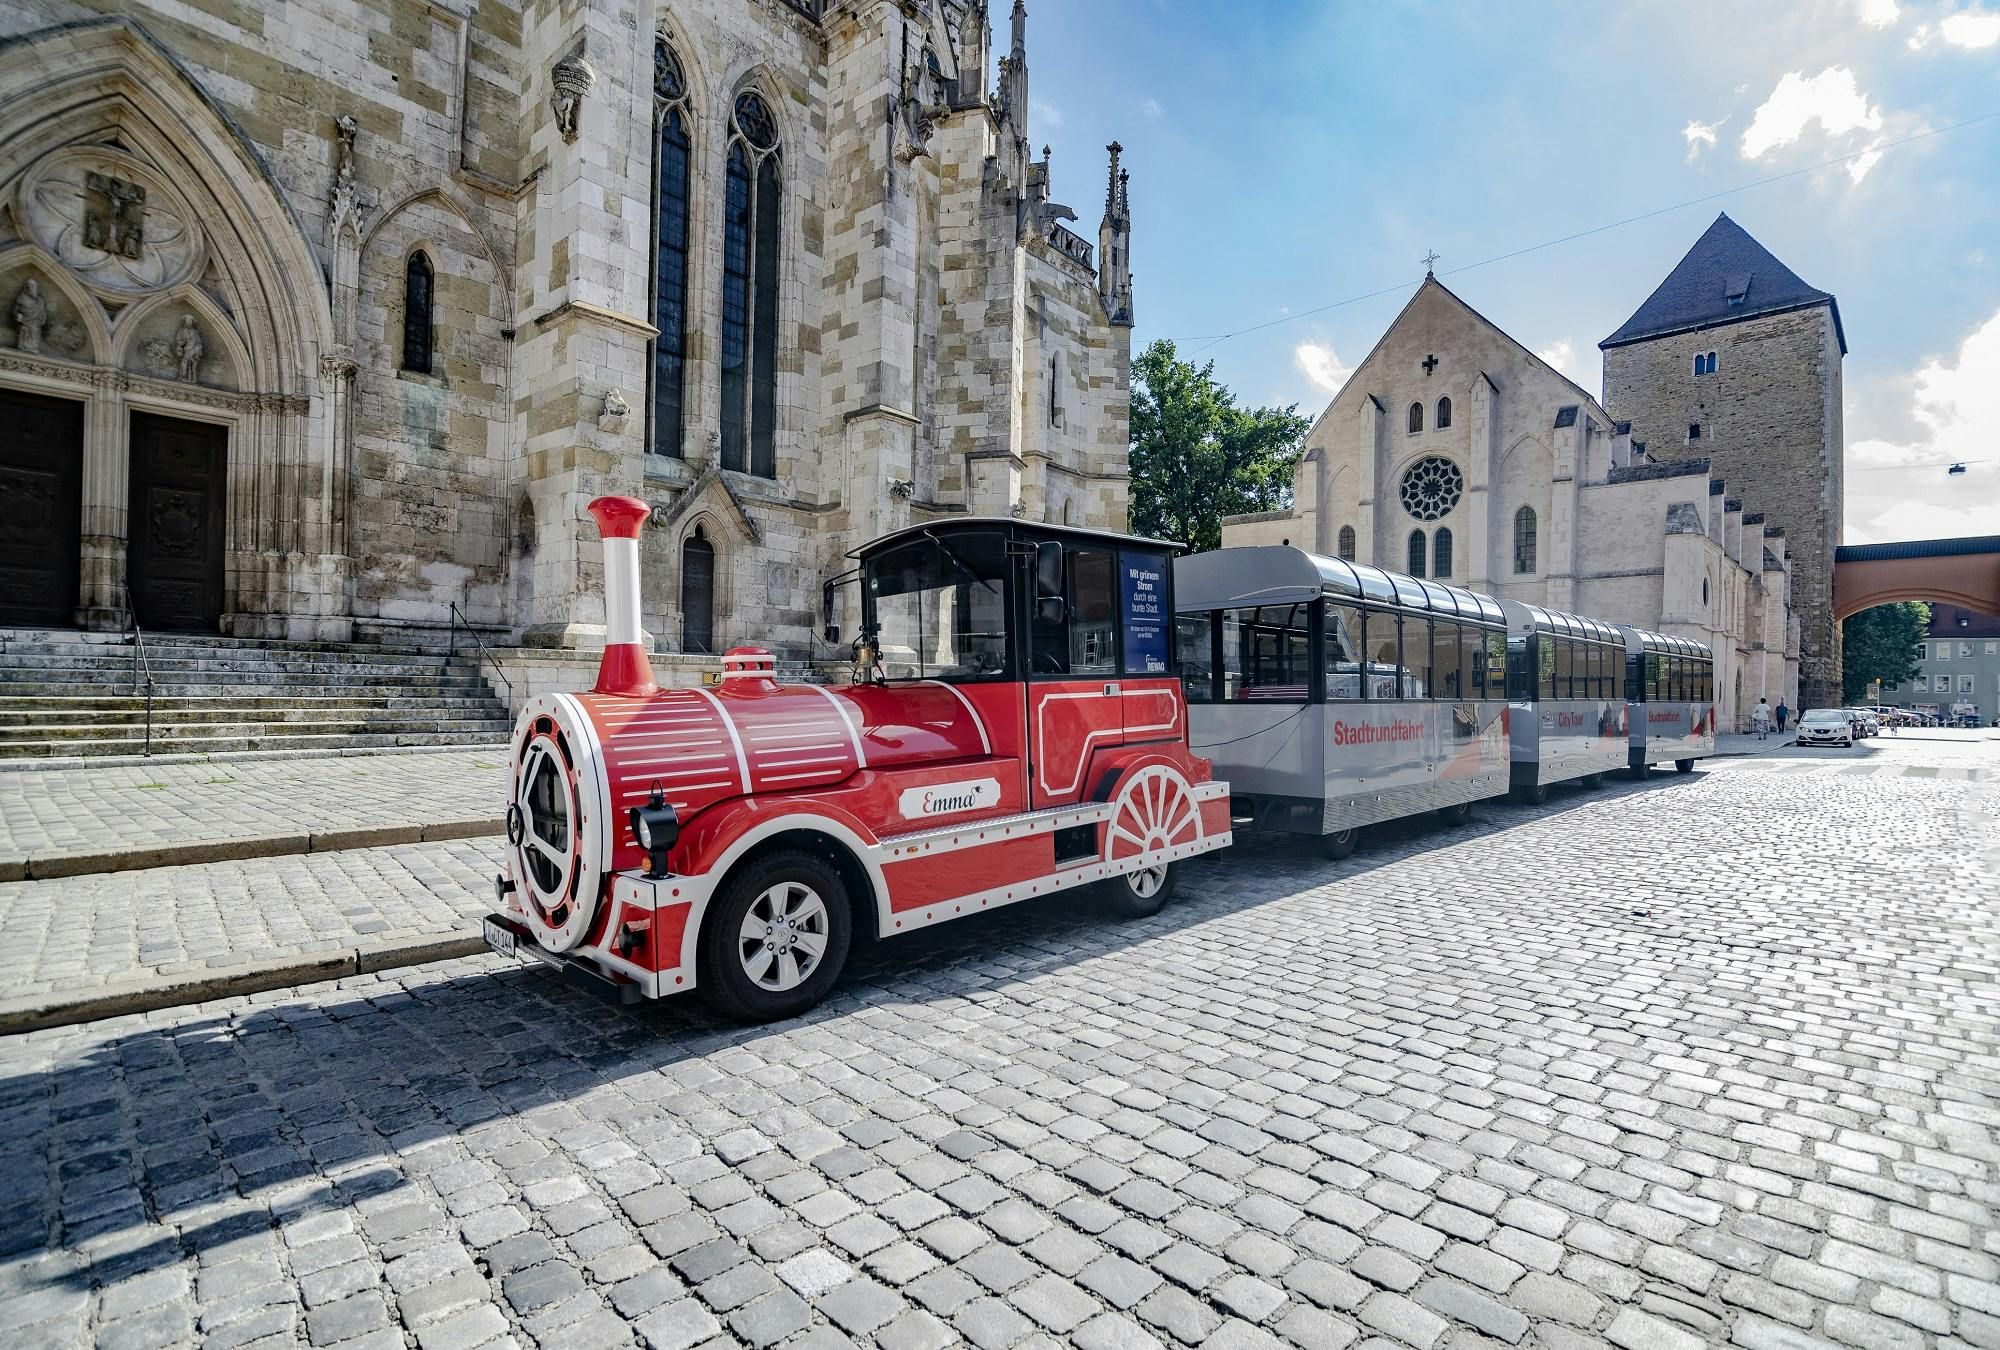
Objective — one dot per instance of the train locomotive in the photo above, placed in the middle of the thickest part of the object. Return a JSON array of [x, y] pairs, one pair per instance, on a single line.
[[1016, 728]]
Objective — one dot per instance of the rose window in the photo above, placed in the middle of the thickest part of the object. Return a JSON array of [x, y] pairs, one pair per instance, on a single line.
[[1432, 487]]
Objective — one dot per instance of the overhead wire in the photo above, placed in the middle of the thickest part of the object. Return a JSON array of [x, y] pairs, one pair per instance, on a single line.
[[1213, 339]]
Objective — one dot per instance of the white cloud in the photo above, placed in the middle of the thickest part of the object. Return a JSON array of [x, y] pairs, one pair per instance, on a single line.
[[1899, 488], [1700, 136], [1973, 28], [1830, 98], [1562, 355], [1321, 364], [1879, 13], [1045, 114], [1151, 107]]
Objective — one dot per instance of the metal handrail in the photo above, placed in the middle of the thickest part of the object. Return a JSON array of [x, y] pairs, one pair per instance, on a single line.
[[457, 615], [140, 661]]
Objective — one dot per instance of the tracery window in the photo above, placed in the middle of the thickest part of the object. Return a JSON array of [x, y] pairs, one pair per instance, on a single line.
[[417, 317], [672, 161], [1432, 487], [1416, 567], [1441, 553], [1524, 541], [1347, 542], [752, 207], [1444, 413], [1416, 417]]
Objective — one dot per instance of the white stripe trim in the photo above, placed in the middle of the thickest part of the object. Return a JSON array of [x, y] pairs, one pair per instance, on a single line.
[[742, 761], [985, 745], [853, 733]]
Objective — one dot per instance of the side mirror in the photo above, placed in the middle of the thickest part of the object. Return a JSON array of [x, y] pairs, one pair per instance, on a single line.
[[1051, 610], [1049, 572]]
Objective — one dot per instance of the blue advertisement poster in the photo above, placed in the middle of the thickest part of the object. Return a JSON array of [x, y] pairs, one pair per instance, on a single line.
[[1143, 596]]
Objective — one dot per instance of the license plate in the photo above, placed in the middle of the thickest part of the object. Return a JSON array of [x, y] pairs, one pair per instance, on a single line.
[[500, 938]]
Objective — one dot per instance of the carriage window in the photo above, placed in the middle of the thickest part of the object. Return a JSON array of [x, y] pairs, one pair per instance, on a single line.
[[1565, 671], [1085, 642], [1676, 679], [1343, 643], [1417, 658], [1194, 645], [1545, 675], [1707, 682], [941, 613], [1266, 654], [1496, 664], [1472, 662], [1597, 660], [1655, 664], [1385, 655], [1446, 681]]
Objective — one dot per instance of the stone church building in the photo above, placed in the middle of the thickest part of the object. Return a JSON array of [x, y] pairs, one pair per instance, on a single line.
[[1454, 452], [323, 321]]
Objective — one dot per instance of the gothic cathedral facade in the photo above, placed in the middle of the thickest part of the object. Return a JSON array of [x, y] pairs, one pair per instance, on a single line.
[[327, 329]]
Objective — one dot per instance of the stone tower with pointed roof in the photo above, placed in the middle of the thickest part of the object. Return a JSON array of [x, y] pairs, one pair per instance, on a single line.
[[1736, 360]]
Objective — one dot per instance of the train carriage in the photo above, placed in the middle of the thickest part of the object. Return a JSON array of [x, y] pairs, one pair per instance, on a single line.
[[1566, 699], [1670, 700], [1016, 728], [1333, 695]]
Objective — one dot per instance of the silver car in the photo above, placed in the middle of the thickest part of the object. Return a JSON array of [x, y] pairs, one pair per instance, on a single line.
[[1827, 726]]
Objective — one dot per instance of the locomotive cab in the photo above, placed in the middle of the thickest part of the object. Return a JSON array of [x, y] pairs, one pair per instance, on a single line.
[[1014, 727]]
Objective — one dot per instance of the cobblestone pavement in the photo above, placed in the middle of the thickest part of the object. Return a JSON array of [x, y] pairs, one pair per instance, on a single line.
[[1709, 1059], [51, 811], [74, 934]]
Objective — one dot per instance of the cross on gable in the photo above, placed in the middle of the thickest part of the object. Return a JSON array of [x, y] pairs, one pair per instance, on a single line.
[[1430, 364]]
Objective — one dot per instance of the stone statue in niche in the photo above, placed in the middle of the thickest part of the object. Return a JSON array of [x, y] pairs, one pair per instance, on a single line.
[[572, 76], [114, 215], [31, 316], [188, 349]]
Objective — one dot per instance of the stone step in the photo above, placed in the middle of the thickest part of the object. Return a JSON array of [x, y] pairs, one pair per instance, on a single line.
[[70, 639], [17, 712], [348, 726], [237, 743], [195, 682], [312, 663]]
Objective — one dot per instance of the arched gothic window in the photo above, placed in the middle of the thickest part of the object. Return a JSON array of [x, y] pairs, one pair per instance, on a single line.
[[1347, 542], [697, 593], [417, 318], [1416, 568], [751, 214], [1524, 541], [1416, 417], [1444, 413], [1441, 553], [672, 158]]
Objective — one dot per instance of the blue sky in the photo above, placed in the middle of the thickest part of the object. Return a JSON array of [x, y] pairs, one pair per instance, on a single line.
[[1286, 154]]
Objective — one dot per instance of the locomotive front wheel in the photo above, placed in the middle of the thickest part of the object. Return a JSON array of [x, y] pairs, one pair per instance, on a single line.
[[1683, 766], [776, 938], [1456, 815], [1140, 894], [1340, 843]]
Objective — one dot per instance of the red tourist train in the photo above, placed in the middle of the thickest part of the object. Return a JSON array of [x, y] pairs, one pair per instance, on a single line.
[[1016, 727]]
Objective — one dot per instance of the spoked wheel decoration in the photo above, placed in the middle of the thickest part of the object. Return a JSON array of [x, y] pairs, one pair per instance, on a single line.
[[1155, 810], [783, 937], [544, 827]]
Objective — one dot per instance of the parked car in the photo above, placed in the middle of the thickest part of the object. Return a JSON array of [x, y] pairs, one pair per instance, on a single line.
[[1828, 726], [1866, 722]]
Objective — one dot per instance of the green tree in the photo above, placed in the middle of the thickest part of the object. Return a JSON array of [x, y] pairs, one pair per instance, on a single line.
[[1881, 644], [1197, 457]]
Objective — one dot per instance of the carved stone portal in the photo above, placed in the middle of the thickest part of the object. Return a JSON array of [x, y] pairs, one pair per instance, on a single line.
[[114, 215], [188, 349], [31, 315]]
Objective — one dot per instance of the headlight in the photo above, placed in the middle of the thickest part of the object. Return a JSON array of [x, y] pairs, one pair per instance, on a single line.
[[655, 827]]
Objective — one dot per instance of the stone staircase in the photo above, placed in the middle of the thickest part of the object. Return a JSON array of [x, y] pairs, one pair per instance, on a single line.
[[65, 693]]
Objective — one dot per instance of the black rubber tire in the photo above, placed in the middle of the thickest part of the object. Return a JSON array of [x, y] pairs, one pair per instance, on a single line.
[[1640, 772], [1530, 794], [1593, 781], [1683, 766], [724, 983], [1339, 844], [1460, 814], [1116, 894]]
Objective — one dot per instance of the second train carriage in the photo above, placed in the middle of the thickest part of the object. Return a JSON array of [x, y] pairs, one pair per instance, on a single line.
[[1333, 695], [1566, 698], [1669, 699]]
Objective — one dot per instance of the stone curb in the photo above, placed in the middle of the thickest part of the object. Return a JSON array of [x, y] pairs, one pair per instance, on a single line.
[[234, 850], [38, 1013]]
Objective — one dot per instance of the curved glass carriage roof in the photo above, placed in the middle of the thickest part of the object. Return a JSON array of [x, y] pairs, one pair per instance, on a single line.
[[1278, 574], [1667, 642]]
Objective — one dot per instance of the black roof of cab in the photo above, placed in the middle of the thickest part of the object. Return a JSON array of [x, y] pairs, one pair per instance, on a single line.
[[964, 524]]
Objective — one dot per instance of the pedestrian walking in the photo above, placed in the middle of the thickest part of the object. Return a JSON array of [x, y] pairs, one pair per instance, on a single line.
[[1760, 718], [1783, 713]]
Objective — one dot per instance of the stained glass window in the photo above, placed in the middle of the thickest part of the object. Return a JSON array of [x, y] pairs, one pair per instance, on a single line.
[[417, 321], [670, 250]]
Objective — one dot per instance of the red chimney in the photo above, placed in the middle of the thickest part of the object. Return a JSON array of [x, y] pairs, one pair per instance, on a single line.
[[625, 669]]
